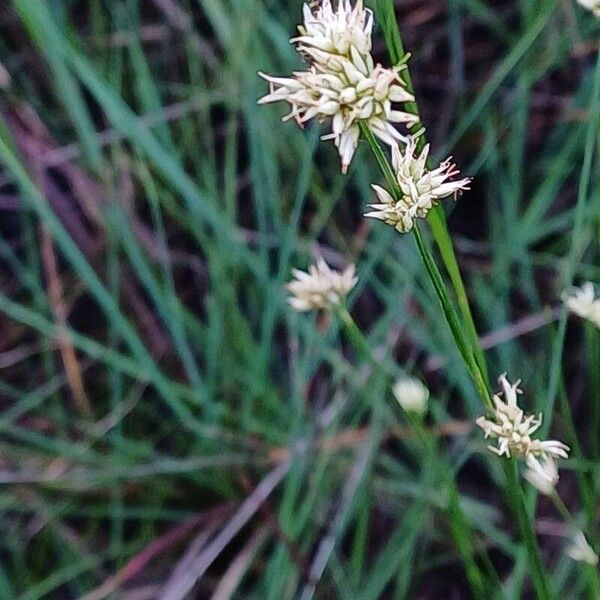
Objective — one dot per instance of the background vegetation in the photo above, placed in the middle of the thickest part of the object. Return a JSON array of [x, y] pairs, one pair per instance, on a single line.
[[168, 427]]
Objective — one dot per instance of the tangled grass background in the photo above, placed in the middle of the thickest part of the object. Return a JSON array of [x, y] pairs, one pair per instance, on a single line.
[[169, 428]]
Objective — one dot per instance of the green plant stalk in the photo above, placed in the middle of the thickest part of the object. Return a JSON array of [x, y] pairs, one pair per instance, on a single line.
[[464, 345], [436, 217], [516, 497], [592, 573], [437, 222], [459, 527]]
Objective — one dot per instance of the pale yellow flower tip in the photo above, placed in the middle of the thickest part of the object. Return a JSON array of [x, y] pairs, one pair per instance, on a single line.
[[411, 394], [336, 31], [320, 287], [581, 551], [591, 5], [543, 475], [582, 301]]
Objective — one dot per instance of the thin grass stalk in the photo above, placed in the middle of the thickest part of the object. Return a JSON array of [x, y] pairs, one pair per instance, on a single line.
[[516, 497], [475, 362], [436, 217], [464, 346], [459, 526]]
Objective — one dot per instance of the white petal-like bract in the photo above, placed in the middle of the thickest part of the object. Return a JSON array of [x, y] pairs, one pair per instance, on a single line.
[[411, 394], [581, 551], [321, 287]]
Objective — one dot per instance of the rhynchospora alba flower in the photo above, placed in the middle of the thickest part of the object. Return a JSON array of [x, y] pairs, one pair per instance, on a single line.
[[346, 92], [342, 82], [583, 302], [581, 551], [411, 394], [321, 287], [513, 430], [420, 188], [543, 475], [593, 5], [336, 31]]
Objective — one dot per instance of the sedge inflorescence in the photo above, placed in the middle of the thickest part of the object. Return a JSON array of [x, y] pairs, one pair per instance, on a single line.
[[420, 188], [344, 85], [513, 430], [584, 303], [342, 82], [322, 287]]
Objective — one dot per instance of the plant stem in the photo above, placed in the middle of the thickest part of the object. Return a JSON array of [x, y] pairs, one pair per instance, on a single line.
[[459, 526], [465, 346], [469, 347], [436, 217], [516, 497]]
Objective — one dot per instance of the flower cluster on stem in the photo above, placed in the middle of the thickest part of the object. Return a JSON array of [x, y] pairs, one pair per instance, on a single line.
[[581, 551], [513, 431], [321, 287], [419, 187], [342, 82]]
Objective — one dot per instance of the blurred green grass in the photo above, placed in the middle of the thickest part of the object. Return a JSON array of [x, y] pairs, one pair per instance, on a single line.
[[151, 215]]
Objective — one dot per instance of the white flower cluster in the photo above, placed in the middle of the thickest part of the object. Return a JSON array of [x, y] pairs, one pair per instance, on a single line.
[[420, 188], [513, 430], [583, 302], [321, 287], [593, 5], [411, 394], [342, 82]]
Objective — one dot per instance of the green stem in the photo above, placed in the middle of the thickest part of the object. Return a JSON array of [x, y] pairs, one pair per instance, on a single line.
[[516, 498], [361, 344], [459, 526], [464, 345], [592, 573], [436, 217]]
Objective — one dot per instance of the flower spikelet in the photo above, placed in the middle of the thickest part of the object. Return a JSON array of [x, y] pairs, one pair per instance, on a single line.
[[513, 430], [412, 395], [420, 188], [581, 551], [592, 5], [347, 94], [336, 31], [542, 475], [583, 302], [321, 287], [342, 83]]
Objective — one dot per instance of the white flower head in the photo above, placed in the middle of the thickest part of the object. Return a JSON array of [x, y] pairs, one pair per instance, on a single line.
[[336, 31], [420, 188], [543, 475], [581, 551], [321, 287], [348, 95], [513, 430], [592, 5], [583, 302], [411, 394]]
